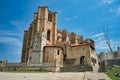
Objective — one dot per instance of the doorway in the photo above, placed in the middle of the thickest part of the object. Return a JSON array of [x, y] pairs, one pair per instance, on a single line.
[[82, 60]]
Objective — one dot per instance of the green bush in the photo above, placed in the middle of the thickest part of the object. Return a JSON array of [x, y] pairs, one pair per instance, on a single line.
[[113, 72]]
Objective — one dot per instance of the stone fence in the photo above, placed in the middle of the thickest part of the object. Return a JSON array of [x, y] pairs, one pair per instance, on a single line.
[[28, 64], [109, 64], [42, 66], [15, 65]]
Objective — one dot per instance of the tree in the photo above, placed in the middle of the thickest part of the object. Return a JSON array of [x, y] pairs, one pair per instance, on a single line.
[[105, 37]]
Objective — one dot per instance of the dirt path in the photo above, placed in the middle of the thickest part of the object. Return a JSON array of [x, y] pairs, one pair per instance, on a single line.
[[41, 76], [53, 76], [96, 76]]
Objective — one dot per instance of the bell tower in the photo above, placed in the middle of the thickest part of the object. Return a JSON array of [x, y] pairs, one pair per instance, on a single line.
[[46, 32], [46, 21]]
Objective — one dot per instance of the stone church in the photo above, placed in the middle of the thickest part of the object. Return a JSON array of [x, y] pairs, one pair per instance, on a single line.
[[44, 43]]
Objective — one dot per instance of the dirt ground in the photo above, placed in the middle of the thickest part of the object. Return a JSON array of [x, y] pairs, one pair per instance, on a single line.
[[53, 76]]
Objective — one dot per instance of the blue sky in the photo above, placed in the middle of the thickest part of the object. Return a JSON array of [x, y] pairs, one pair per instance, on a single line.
[[85, 17]]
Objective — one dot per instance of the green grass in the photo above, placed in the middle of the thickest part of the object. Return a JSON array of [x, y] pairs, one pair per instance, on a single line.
[[112, 73]]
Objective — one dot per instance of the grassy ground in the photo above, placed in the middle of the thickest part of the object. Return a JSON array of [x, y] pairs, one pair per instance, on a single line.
[[112, 73]]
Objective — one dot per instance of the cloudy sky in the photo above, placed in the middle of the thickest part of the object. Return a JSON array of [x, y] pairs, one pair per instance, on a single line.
[[85, 17]]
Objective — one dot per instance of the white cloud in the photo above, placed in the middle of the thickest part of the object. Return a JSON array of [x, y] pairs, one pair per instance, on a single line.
[[115, 42], [59, 11], [75, 16], [107, 1], [101, 45], [71, 18], [16, 23], [10, 41], [99, 35], [67, 19], [13, 46], [22, 25], [9, 33], [116, 11], [111, 10]]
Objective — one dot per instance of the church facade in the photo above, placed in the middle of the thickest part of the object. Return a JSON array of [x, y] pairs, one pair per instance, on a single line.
[[44, 43]]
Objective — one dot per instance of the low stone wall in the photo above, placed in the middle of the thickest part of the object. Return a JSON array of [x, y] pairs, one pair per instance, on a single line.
[[42, 66], [24, 66], [109, 64], [77, 68]]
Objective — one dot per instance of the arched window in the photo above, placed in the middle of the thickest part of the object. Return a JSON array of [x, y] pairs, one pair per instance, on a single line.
[[48, 35], [50, 17]]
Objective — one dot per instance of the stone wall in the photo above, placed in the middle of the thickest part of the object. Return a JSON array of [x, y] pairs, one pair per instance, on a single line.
[[75, 53], [29, 66], [109, 60], [53, 54], [109, 64], [108, 56], [77, 68], [3, 62]]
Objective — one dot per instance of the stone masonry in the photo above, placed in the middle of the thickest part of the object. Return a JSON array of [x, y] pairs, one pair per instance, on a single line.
[[43, 42]]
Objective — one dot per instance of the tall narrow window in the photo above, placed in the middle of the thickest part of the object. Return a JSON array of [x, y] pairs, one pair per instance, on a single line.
[[58, 52], [50, 17], [48, 35]]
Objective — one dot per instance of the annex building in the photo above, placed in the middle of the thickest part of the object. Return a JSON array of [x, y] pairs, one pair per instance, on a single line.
[[44, 43]]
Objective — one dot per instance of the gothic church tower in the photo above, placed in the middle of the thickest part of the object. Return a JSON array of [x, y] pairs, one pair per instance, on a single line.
[[42, 32]]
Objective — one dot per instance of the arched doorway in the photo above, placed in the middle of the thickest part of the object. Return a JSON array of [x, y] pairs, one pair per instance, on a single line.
[[48, 35], [82, 60]]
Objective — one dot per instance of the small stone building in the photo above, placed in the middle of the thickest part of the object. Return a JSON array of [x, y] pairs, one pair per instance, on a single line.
[[109, 60], [44, 43]]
